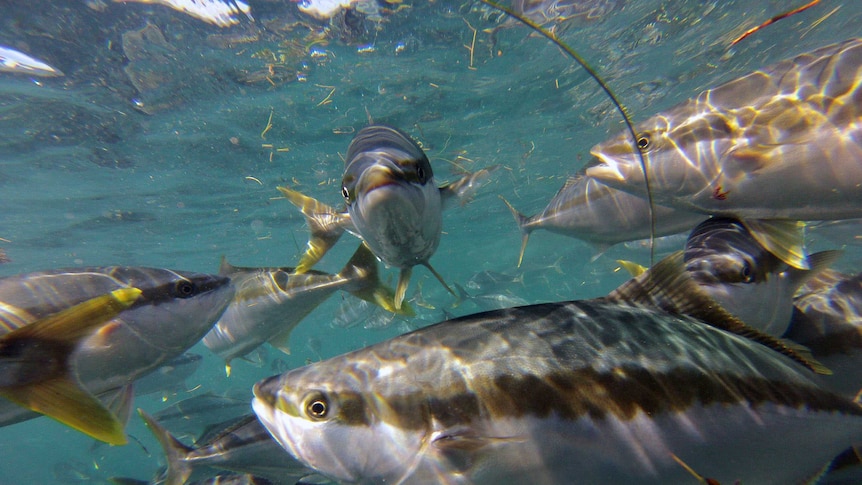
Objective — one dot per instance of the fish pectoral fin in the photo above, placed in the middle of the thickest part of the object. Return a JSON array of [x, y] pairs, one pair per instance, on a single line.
[[119, 402], [439, 278], [783, 238], [633, 268], [461, 447], [281, 340], [65, 401], [668, 287]]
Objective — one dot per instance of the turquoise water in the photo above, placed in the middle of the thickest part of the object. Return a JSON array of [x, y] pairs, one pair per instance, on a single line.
[[162, 160]]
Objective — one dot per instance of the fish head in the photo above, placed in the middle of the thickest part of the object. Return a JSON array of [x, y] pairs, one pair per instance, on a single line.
[[681, 149], [391, 196], [174, 311], [735, 270], [332, 417]]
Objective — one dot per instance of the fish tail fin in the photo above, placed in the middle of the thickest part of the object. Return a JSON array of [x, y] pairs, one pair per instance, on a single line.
[[362, 270], [56, 392], [179, 470], [325, 225], [669, 287], [523, 226], [783, 238]]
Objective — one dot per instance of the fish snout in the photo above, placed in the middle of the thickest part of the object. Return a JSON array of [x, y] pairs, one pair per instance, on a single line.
[[266, 390]]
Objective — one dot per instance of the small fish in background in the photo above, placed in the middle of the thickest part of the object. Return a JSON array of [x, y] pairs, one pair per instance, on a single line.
[[170, 377], [243, 446], [728, 263], [393, 204], [588, 210], [4, 258], [195, 415], [19, 63], [547, 392], [222, 13], [754, 148], [270, 302], [174, 310], [36, 369]]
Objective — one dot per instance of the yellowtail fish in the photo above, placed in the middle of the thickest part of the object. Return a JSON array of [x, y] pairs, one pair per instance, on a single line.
[[754, 147], [393, 204], [597, 391], [827, 318], [270, 302], [36, 369], [593, 212], [174, 310], [20, 63], [243, 446], [727, 262]]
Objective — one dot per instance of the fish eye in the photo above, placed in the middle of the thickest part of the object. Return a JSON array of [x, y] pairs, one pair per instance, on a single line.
[[317, 406], [345, 192], [746, 273], [420, 174], [643, 141], [185, 289], [281, 279]]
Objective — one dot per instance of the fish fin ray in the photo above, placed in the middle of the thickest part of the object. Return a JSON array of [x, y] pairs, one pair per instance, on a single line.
[[178, 470], [783, 238], [325, 225], [668, 287], [66, 401], [818, 262]]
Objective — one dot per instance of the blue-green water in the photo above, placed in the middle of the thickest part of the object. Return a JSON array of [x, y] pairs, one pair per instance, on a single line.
[[96, 170]]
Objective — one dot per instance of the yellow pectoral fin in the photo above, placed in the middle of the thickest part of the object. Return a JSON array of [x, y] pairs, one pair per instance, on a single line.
[[65, 401]]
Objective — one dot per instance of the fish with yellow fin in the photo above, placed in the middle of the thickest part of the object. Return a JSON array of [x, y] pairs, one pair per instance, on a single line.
[[754, 147], [36, 369], [393, 204]]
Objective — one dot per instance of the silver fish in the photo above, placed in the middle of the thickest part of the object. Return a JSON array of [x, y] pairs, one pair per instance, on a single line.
[[36, 369], [752, 147], [270, 302], [173, 312], [827, 318], [598, 391], [18, 62], [593, 212], [243, 446], [743, 277], [393, 203], [170, 376]]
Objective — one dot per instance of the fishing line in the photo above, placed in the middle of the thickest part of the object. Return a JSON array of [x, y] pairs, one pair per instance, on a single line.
[[574, 55]]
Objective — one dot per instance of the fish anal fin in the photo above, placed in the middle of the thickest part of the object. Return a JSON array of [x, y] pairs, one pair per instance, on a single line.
[[667, 286], [783, 238], [65, 401], [179, 470]]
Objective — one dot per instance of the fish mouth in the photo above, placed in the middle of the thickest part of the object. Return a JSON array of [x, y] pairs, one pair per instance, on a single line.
[[378, 177], [607, 170], [266, 391]]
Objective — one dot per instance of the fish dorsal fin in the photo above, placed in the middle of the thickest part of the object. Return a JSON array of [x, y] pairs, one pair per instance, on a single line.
[[818, 262], [523, 225], [667, 286], [783, 238], [53, 390], [463, 189], [179, 469], [366, 284], [225, 268], [325, 224]]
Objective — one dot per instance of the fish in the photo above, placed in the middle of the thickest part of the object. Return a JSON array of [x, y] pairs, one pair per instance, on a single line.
[[17, 62], [170, 376], [727, 262], [393, 204], [588, 210], [175, 309], [753, 147], [827, 318], [195, 415], [243, 446], [270, 302], [36, 371], [606, 390]]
